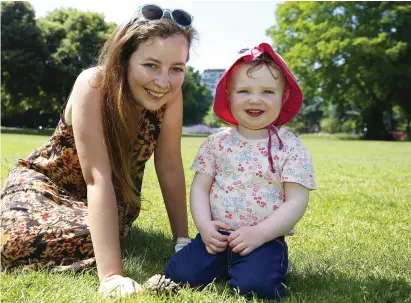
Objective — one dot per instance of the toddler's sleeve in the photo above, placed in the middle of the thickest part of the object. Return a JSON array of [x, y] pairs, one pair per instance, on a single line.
[[205, 160], [298, 166]]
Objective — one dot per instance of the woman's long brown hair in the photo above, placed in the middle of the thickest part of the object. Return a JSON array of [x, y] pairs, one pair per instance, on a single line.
[[121, 113]]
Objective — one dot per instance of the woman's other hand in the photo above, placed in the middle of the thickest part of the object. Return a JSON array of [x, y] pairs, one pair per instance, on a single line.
[[117, 285]]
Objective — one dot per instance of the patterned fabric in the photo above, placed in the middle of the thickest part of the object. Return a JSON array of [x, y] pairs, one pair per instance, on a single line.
[[44, 219], [245, 191]]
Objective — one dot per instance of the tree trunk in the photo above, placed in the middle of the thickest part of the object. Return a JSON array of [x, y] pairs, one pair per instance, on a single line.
[[376, 130]]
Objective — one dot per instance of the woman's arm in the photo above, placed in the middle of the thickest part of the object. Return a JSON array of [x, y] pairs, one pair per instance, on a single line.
[[169, 167], [288, 214], [92, 152]]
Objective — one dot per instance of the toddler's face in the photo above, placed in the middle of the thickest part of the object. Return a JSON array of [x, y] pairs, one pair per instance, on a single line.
[[255, 101]]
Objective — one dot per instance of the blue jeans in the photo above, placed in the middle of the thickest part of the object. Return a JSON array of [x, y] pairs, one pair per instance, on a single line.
[[263, 271]]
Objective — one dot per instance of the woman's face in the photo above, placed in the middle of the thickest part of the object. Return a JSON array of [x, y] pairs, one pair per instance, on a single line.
[[156, 70]]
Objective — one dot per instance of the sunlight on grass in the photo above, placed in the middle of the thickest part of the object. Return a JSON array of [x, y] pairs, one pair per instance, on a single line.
[[353, 244]]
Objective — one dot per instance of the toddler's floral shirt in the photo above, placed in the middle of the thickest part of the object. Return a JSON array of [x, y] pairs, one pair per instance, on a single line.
[[245, 191]]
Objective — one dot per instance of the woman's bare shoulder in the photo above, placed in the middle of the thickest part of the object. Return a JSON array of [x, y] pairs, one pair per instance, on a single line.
[[90, 79], [86, 93]]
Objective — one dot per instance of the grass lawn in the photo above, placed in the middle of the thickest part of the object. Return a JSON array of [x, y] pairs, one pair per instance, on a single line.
[[353, 244]]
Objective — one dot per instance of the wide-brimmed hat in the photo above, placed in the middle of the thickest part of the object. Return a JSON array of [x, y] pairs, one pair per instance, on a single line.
[[292, 97]]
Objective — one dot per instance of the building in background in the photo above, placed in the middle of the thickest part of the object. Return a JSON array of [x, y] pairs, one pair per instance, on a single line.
[[210, 78]]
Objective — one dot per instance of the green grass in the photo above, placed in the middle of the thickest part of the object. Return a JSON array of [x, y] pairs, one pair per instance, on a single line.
[[353, 244]]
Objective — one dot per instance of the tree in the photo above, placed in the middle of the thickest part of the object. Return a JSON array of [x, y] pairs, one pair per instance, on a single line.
[[351, 54], [197, 98], [211, 120], [23, 53], [73, 39], [41, 59]]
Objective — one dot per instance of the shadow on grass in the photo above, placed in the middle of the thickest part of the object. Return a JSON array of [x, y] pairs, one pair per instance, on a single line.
[[336, 287], [27, 131], [146, 252]]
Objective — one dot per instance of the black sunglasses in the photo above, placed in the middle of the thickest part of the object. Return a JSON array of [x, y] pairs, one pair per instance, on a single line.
[[154, 12]]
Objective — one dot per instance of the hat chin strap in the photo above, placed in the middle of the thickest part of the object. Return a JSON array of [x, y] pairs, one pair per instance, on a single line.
[[271, 128]]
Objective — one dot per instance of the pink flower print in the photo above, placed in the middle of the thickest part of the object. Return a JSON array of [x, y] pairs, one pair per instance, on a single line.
[[228, 215], [262, 204], [260, 166], [220, 147], [240, 168], [201, 159], [242, 217], [45, 216], [254, 217], [253, 224], [51, 164], [255, 187], [249, 210], [276, 157], [259, 174], [229, 150], [275, 207], [215, 196], [265, 218]]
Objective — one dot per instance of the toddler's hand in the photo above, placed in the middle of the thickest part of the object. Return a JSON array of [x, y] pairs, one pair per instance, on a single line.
[[117, 285], [213, 240], [245, 239]]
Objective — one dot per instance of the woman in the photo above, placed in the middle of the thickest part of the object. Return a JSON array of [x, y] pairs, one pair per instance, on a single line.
[[70, 202]]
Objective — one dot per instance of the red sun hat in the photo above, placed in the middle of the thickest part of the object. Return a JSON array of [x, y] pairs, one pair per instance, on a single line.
[[292, 97]]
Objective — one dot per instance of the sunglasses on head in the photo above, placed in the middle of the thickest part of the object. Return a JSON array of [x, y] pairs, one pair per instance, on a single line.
[[154, 12]]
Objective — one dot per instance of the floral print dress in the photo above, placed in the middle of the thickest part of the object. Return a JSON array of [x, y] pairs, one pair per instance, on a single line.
[[44, 218]]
